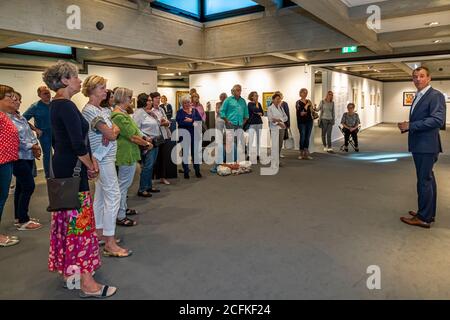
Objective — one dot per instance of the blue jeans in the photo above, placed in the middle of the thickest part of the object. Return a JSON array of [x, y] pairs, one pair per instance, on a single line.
[[23, 171], [46, 144], [305, 134], [6, 171], [148, 162]]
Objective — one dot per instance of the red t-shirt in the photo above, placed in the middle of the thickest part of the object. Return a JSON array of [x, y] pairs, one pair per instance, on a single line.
[[9, 140]]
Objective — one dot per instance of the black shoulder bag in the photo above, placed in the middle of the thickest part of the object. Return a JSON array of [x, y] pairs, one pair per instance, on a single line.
[[63, 192]]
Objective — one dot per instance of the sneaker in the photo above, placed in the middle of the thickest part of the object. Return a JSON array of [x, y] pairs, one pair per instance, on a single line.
[[282, 156], [346, 149], [198, 175], [186, 176], [356, 149], [325, 149], [330, 150]]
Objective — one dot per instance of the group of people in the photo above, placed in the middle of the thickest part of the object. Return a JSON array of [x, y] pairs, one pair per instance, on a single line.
[[109, 139], [234, 113]]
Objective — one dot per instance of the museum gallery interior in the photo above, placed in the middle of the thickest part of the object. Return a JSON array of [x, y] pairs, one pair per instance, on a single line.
[[334, 178]]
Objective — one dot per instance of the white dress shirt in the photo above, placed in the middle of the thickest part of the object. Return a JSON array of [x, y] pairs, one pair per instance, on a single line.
[[419, 96]]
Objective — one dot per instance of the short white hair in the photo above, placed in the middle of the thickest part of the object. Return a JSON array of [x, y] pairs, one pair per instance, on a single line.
[[185, 98]]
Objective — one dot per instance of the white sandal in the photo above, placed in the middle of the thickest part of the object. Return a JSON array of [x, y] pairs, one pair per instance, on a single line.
[[9, 242], [27, 226]]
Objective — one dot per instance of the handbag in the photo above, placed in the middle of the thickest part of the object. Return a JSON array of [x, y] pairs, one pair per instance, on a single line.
[[63, 192], [314, 114], [289, 142]]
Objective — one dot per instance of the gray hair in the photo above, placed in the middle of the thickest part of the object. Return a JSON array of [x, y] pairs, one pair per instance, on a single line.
[[234, 88], [54, 74], [121, 94], [185, 98]]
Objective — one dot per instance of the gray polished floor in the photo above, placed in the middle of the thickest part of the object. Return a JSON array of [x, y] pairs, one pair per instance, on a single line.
[[309, 232]]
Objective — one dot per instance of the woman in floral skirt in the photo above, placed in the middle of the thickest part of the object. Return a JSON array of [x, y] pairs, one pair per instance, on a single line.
[[74, 245]]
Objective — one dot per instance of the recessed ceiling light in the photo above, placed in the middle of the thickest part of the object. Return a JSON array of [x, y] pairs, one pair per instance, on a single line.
[[86, 47], [437, 41], [432, 24]]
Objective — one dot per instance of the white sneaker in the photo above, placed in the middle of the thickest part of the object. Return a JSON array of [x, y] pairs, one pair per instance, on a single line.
[[330, 150], [282, 156], [325, 149]]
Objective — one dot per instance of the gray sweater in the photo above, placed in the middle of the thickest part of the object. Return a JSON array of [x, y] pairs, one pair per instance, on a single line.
[[326, 110]]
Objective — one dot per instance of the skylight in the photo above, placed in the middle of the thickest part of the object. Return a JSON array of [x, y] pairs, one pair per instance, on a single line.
[[220, 6], [189, 6], [44, 47], [207, 10]]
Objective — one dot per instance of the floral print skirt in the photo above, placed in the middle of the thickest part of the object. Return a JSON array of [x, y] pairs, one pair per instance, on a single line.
[[73, 240]]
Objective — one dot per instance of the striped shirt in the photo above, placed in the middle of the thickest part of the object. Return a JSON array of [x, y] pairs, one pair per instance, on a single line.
[[95, 115]]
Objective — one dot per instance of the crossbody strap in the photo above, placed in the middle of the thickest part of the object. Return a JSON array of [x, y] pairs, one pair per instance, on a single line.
[[76, 171]]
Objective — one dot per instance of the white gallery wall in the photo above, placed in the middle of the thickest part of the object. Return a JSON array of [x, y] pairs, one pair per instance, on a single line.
[[26, 82], [288, 80], [394, 110], [366, 94]]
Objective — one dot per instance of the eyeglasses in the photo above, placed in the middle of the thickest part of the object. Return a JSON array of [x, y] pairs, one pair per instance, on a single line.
[[12, 96]]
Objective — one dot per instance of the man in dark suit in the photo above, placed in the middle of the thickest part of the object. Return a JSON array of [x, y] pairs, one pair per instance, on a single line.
[[426, 118]]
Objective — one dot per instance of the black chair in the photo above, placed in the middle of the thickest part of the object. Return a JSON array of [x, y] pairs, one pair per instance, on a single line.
[[350, 140]]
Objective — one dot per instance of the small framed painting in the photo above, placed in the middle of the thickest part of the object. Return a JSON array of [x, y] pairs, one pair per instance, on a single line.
[[267, 100], [363, 100], [179, 95], [408, 98]]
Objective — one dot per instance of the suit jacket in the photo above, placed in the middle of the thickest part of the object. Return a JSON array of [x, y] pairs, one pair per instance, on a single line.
[[425, 122]]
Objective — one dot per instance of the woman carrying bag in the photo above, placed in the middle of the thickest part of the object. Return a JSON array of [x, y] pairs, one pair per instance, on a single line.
[[74, 242]]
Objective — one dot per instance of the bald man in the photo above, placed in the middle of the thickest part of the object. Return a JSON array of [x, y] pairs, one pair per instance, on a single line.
[[40, 111]]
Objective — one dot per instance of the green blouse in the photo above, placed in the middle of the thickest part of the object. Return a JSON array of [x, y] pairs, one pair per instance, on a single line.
[[128, 152]]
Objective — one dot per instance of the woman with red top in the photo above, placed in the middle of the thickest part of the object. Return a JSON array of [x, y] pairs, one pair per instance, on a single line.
[[9, 152]]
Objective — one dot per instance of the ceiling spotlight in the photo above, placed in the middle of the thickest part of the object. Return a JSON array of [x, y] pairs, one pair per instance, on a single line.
[[179, 73], [437, 41], [86, 47], [432, 24]]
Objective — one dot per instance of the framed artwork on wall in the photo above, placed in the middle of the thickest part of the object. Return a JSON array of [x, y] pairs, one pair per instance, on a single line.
[[378, 99], [178, 96], [355, 97], [363, 100], [267, 100], [408, 98]]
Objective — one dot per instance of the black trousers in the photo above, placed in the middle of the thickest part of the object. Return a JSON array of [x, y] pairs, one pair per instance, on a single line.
[[23, 171], [354, 135]]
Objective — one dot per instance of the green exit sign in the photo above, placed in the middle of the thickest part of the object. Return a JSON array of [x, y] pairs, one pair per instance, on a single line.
[[350, 49]]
